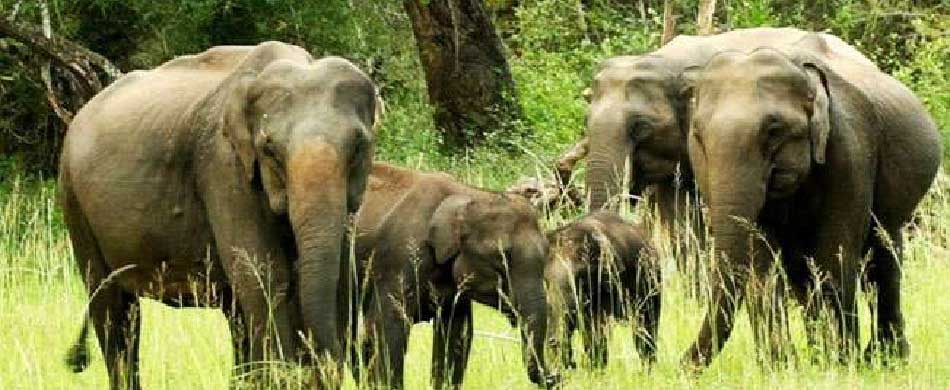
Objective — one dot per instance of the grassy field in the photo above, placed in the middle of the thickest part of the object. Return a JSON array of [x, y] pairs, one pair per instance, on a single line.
[[42, 302]]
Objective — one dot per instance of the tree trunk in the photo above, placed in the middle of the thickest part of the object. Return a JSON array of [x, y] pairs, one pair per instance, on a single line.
[[469, 82], [705, 17], [669, 23]]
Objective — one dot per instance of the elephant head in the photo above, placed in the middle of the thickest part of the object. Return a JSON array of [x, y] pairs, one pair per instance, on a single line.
[[761, 121], [496, 252], [580, 252], [635, 126], [602, 266], [303, 131]]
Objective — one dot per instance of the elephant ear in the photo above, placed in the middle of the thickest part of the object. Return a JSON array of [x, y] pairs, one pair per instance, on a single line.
[[235, 124], [600, 248], [820, 121], [686, 93], [446, 228]]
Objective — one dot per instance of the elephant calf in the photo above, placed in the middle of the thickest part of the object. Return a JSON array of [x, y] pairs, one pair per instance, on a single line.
[[601, 266], [426, 247]]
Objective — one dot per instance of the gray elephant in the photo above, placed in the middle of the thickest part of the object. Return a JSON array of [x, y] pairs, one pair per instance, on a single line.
[[600, 266], [222, 178], [827, 158], [637, 121], [427, 248]]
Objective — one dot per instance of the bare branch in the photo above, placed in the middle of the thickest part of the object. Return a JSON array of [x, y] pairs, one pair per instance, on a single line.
[[569, 159], [65, 115], [87, 71], [79, 60]]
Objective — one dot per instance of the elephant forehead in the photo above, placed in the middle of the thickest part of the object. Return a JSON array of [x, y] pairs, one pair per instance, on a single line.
[[622, 78]]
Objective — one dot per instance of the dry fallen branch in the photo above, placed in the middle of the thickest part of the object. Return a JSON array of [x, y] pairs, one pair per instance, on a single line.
[[554, 191]]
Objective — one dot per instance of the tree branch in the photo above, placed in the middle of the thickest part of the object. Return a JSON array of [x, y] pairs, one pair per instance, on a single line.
[[78, 60], [88, 71]]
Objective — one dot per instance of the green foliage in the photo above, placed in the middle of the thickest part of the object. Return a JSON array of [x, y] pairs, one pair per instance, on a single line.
[[753, 13], [553, 45], [928, 74], [552, 50]]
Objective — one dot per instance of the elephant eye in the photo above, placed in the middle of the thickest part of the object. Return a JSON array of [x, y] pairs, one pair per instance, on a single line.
[[270, 147], [774, 129], [776, 134]]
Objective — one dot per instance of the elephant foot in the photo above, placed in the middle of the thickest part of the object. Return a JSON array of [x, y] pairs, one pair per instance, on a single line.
[[694, 362], [598, 362], [549, 381], [780, 359], [890, 353], [569, 364], [78, 357]]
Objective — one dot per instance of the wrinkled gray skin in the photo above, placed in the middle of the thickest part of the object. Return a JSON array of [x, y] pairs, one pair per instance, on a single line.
[[818, 153], [637, 118], [600, 267], [431, 246], [208, 173]]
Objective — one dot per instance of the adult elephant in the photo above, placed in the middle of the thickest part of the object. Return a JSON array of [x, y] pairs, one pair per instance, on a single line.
[[427, 248], [637, 119], [828, 159], [229, 171]]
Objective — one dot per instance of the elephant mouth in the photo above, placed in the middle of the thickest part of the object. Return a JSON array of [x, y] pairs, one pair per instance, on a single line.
[[783, 184]]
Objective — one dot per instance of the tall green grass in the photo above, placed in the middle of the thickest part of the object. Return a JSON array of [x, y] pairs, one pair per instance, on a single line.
[[42, 301]]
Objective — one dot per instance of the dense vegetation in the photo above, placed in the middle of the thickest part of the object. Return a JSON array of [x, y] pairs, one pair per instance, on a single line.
[[552, 45]]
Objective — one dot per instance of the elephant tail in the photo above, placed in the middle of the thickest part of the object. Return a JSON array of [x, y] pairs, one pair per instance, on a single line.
[[78, 356]]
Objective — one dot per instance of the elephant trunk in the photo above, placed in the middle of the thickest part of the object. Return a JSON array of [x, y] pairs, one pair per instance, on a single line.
[[735, 195], [317, 207], [526, 282], [609, 160], [532, 309]]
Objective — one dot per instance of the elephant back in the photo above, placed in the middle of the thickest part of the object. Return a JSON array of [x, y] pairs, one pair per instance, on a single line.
[[694, 50]]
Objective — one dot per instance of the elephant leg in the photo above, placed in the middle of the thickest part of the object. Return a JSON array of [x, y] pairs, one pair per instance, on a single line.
[[594, 332], [239, 338], [802, 285], [839, 297], [766, 304], [260, 278], [451, 344], [677, 210], [389, 333], [726, 296], [565, 345], [114, 314], [116, 318], [884, 273], [647, 311], [249, 243], [768, 316]]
